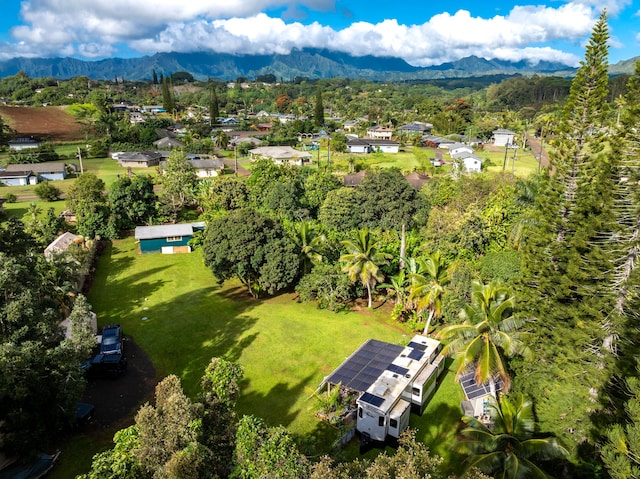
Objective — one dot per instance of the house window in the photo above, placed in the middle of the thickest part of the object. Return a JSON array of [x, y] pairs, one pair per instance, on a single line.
[[415, 391], [381, 421], [360, 412], [393, 423], [173, 238]]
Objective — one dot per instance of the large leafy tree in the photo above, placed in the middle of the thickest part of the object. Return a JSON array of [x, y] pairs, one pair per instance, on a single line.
[[249, 246], [340, 210], [133, 201], [178, 182], [508, 447], [387, 200], [489, 330], [263, 451], [86, 198], [40, 378], [363, 260]]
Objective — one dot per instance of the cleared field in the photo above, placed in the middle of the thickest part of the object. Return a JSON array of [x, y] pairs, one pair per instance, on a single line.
[[51, 122]]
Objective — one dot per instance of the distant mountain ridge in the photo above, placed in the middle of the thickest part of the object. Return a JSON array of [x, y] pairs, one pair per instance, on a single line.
[[310, 63]]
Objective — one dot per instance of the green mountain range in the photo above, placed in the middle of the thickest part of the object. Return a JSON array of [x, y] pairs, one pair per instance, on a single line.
[[309, 63]]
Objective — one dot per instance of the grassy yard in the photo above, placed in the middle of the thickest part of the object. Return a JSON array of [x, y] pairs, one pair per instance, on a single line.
[[173, 308]]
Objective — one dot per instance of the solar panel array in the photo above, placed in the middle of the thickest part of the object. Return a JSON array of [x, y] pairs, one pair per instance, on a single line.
[[472, 390], [364, 366]]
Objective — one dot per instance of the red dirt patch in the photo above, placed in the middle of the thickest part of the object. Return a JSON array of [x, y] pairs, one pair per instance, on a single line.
[[50, 122]]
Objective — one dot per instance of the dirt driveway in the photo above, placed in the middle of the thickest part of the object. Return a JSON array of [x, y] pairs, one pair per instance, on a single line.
[[116, 400]]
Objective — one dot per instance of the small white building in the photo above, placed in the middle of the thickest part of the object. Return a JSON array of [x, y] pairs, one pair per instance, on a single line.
[[502, 137], [468, 162]]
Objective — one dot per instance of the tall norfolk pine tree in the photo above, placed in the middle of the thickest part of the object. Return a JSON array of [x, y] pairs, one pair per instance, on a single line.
[[566, 265]]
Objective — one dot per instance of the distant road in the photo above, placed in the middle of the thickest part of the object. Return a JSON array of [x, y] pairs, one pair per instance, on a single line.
[[537, 148]]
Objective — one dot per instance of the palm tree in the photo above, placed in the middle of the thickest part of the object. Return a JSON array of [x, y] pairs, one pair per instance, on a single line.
[[308, 242], [507, 448], [427, 286], [363, 260], [397, 286], [488, 331]]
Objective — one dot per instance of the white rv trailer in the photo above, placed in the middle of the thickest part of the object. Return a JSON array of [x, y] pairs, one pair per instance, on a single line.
[[406, 383]]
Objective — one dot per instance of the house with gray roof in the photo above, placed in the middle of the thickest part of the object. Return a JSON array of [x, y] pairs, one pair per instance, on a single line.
[[168, 143], [372, 145], [502, 137], [24, 143], [139, 159], [166, 239], [18, 178], [20, 174], [281, 155], [417, 128]]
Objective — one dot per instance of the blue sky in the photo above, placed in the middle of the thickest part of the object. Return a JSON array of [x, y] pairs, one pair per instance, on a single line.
[[421, 32]]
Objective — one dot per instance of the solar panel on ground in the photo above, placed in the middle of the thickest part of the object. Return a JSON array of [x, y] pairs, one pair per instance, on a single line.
[[471, 389], [371, 399], [364, 366]]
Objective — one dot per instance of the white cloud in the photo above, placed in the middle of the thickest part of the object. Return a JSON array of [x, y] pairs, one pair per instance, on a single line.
[[93, 29]]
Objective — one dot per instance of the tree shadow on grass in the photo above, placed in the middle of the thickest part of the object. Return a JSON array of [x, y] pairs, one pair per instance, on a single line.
[[282, 394]]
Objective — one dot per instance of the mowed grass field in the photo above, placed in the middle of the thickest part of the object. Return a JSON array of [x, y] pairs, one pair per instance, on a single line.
[[172, 306], [174, 309]]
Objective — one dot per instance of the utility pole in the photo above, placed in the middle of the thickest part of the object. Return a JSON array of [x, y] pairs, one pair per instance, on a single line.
[[80, 158], [504, 163], [235, 157]]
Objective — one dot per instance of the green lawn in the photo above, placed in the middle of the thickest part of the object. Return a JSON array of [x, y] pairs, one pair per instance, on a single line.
[[173, 308], [285, 347]]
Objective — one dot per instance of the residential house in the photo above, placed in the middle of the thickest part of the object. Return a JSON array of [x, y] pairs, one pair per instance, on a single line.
[[24, 143], [142, 159], [281, 155], [416, 128], [417, 180], [457, 148], [21, 174], [502, 137], [168, 143], [354, 179], [249, 140], [18, 178], [358, 145], [379, 132], [436, 141], [60, 245], [384, 146], [371, 145], [469, 162], [167, 239], [207, 167]]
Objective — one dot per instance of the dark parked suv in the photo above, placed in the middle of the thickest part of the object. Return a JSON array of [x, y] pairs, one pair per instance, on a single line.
[[109, 359], [111, 339]]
